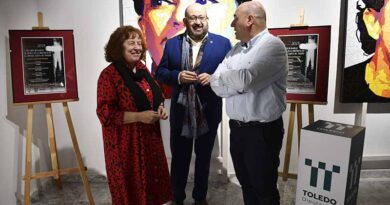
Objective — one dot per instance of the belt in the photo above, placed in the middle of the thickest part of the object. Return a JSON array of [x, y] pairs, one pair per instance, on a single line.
[[237, 123]]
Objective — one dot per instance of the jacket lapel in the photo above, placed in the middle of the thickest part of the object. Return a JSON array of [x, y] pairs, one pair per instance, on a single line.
[[208, 48], [179, 51]]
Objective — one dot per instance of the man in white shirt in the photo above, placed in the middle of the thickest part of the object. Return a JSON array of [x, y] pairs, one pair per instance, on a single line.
[[252, 78]]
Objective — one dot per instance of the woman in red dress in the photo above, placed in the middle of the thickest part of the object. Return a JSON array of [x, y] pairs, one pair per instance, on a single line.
[[129, 107]]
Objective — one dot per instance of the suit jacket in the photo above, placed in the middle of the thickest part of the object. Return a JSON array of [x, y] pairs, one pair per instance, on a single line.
[[169, 68]]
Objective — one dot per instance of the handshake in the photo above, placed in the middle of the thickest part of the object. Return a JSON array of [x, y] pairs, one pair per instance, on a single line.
[[187, 77]]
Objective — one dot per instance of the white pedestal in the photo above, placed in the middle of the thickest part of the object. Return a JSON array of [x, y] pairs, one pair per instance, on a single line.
[[330, 159]]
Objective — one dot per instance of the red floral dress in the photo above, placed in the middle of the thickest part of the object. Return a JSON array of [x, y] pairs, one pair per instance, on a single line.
[[136, 165]]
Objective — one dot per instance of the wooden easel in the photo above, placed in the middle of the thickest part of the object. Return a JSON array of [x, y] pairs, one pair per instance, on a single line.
[[290, 132], [295, 105], [301, 22], [56, 172]]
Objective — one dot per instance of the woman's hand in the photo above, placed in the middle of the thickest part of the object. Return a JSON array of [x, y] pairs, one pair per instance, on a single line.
[[162, 112], [148, 117]]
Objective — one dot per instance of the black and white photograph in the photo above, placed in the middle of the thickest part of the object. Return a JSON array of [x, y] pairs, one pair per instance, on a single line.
[[302, 62], [43, 64]]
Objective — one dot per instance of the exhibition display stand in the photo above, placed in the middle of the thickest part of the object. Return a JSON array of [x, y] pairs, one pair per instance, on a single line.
[[56, 171], [329, 163]]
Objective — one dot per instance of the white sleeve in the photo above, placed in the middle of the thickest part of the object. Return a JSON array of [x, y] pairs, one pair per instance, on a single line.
[[269, 64], [216, 83]]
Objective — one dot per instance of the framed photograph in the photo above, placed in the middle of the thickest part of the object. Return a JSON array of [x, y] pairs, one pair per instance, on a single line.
[[364, 55], [308, 62], [43, 66]]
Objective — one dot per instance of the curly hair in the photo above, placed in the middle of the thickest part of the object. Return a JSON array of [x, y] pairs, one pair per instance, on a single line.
[[114, 47], [368, 43]]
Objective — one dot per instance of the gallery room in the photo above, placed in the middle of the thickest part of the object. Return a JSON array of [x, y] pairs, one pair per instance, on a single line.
[[60, 126]]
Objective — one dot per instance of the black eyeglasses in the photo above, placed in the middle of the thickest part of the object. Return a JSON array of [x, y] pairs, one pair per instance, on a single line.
[[194, 18]]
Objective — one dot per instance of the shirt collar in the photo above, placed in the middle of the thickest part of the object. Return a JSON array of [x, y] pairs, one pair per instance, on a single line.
[[194, 43], [255, 39]]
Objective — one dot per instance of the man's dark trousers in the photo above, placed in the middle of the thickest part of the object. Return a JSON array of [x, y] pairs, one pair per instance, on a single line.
[[215, 49], [255, 149], [181, 149]]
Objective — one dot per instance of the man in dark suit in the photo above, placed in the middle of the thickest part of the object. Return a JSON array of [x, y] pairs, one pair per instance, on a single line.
[[188, 61]]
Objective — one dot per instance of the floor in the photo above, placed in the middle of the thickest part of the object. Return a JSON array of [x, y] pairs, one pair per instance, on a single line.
[[374, 189]]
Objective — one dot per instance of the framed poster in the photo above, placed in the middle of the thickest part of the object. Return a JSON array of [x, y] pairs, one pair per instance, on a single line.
[[43, 66], [308, 62], [365, 55]]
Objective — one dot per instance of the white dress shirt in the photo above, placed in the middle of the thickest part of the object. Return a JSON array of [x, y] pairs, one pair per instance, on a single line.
[[253, 79], [195, 51]]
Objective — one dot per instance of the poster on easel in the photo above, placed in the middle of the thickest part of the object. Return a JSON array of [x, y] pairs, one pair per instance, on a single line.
[[308, 50], [302, 58], [42, 66]]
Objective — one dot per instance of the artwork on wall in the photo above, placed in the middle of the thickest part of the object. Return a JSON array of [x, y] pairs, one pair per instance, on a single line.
[[365, 60], [308, 62], [161, 20], [42, 66]]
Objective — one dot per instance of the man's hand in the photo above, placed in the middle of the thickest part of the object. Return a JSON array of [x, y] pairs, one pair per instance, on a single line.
[[204, 79], [187, 77]]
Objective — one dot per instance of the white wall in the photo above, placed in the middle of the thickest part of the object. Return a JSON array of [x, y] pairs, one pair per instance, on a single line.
[[92, 22], [13, 15]]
